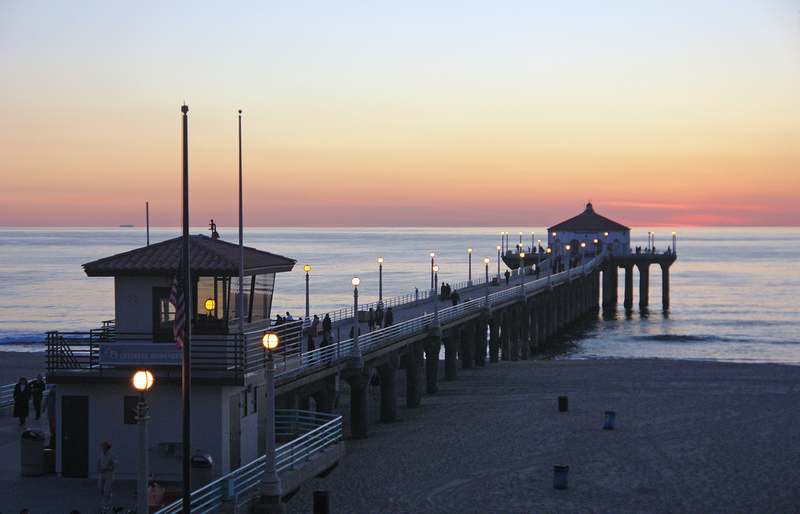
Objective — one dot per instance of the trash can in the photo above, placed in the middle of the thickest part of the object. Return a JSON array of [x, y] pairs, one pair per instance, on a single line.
[[31, 453], [202, 470]]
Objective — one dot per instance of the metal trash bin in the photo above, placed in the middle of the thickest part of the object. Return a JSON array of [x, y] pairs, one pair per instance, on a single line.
[[202, 470], [31, 452]]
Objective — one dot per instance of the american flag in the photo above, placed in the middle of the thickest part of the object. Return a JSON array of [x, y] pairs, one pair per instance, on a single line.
[[176, 298]]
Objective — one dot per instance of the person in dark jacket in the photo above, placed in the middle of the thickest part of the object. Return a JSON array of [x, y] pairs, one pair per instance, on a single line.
[[37, 392], [389, 317], [22, 396], [326, 324]]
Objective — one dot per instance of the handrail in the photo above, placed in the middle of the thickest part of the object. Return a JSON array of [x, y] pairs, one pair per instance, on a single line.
[[329, 354], [244, 482]]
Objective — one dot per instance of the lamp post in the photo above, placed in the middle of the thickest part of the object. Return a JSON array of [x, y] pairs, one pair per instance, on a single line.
[[355, 351], [674, 242], [538, 255], [522, 272], [486, 293], [520, 239], [498, 263], [432, 256], [469, 280], [533, 242], [380, 282], [605, 240], [142, 380], [435, 270], [270, 481], [307, 268]]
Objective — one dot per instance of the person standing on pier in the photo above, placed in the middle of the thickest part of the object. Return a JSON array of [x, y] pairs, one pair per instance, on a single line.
[[371, 319], [389, 318], [37, 392], [379, 317], [106, 465], [326, 324], [508, 276], [22, 396]]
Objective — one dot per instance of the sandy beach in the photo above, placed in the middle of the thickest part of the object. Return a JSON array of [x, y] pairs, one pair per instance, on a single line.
[[689, 437]]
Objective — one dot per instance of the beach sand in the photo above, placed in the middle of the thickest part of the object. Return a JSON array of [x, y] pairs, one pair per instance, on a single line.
[[20, 364], [689, 437]]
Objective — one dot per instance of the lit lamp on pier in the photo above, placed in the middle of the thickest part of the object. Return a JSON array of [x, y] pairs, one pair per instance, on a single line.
[[142, 381], [583, 250], [605, 237], [210, 305], [270, 481], [486, 294], [538, 255], [380, 282], [432, 264], [522, 272], [498, 263], [355, 351], [674, 242], [435, 270], [520, 239], [533, 243], [307, 268], [469, 280], [596, 247]]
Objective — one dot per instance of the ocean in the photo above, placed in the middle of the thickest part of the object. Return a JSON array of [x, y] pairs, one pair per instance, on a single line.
[[734, 291]]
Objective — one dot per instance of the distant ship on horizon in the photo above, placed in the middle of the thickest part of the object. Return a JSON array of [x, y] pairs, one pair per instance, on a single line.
[[126, 226]]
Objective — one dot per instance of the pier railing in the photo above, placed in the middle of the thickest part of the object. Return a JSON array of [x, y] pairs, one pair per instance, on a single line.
[[423, 324], [314, 432]]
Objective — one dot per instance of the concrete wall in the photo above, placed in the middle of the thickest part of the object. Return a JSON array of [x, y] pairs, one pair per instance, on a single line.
[[133, 299]]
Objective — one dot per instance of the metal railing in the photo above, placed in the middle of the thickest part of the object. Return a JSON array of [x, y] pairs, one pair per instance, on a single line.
[[319, 431], [330, 354]]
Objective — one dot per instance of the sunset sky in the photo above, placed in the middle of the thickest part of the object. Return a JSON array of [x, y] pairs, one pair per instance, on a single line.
[[401, 114]]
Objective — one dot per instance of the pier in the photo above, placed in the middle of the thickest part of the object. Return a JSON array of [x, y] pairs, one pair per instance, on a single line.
[[497, 320]]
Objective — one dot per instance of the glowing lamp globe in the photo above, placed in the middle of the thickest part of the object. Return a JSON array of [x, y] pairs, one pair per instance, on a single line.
[[356, 281], [307, 268], [270, 341], [142, 380], [210, 304]]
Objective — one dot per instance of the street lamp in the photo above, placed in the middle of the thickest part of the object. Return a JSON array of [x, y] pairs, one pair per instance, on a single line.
[[307, 268], [533, 243], [380, 282], [435, 270], [469, 250], [432, 256], [520, 238], [522, 272], [486, 294], [498, 263], [355, 351], [142, 380], [538, 255], [674, 242], [270, 481]]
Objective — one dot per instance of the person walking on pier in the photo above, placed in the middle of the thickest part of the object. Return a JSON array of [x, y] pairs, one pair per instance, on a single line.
[[508, 276], [326, 324], [389, 318], [106, 465], [37, 392], [379, 317], [371, 319], [22, 396]]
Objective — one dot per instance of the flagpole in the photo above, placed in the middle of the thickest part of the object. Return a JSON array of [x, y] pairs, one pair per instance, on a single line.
[[186, 380], [241, 238]]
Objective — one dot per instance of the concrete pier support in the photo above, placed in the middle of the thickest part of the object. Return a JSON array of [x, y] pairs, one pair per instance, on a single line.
[[358, 381], [412, 361], [514, 332], [467, 351], [610, 284], [451, 344], [525, 329], [479, 336], [494, 338], [628, 302], [665, 286], [644, 285], [387, 371], [326, 396], [505, 333], [432, 347]]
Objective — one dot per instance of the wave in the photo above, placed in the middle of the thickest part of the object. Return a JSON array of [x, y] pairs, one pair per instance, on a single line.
[[686, 338]]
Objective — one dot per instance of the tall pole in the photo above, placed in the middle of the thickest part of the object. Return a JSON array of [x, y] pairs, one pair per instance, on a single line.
[[240, 299], [522, 271], [147, 215], [186, 378], [307, 268], [380, 282], [355, 351], [433, 288], [486, 293], [498, 263], [270, 481], [674, 242], [435, 270], [469, 250], [141, 482]]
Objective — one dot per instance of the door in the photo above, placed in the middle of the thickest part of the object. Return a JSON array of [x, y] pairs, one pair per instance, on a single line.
[[235, 432], [75, 436]]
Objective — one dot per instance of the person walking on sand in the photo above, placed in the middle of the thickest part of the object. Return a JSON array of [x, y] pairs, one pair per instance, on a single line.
[[22, 396], [106, 465], [37, 391]]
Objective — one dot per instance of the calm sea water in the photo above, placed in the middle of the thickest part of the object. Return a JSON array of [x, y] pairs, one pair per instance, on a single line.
[[734, 291]]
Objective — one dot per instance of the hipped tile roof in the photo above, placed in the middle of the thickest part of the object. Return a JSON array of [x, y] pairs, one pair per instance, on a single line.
[[208, 257], [588, 221]]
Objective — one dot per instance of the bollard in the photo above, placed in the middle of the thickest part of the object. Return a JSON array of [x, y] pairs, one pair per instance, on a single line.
[[560, 477], [322, 502], [609, 421], [563, 403]]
